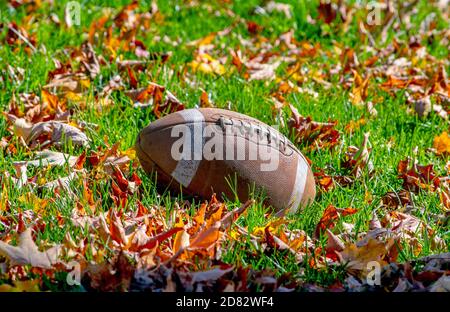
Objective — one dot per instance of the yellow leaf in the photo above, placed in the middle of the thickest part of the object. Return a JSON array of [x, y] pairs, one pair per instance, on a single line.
[[50, 100], [207, 64], [357, 257], [442, 143], [4, 198], [131, 153], [359, 91], [203, 41], [21, 286], [73, 96], [38, 204], [273, 227], [85, 83]]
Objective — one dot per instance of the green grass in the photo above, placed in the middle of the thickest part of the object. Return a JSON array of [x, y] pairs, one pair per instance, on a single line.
[[121, 123]]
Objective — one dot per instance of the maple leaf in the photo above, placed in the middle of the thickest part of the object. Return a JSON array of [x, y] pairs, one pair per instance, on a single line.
[[330, 216], [27, 253], [358, 158], [416, 177], [359, 92], [357, 256], [50, 158], [317, 134], [396, 199], [49, 132], [162, 100], [327, 182], [442, 143]]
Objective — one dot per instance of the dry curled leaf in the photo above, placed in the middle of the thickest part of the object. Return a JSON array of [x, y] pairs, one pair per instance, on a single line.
[[317, 134], [357, 257], [47, 133], [329, 218], [50, 158], [358, 158], [27, 253]]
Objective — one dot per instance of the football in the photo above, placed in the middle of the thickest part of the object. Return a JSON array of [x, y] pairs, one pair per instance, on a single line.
[[207, 151]]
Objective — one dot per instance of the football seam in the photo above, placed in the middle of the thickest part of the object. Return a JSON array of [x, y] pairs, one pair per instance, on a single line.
[[292, 147]]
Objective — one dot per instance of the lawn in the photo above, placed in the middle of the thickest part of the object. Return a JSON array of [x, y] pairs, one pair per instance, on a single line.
[[326, 75]]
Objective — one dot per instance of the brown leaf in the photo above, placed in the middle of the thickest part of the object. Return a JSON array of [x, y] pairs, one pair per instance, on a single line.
[[210, 275], [334, 243], [90, 60], [69, 84], [253, 28], [396, 199], [416, 177], [327, 11], [181, 241], [317, 134], [358, 159]]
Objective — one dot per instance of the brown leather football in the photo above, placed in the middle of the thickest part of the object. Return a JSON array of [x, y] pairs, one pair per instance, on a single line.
[[208, 150]]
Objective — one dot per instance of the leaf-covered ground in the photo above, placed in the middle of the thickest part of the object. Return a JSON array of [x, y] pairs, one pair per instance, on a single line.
[[362, 90]]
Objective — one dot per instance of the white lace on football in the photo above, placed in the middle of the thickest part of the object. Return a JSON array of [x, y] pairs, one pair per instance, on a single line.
[[250, 129]]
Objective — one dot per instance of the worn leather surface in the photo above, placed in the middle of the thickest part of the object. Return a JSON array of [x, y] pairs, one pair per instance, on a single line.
[[155, 142]]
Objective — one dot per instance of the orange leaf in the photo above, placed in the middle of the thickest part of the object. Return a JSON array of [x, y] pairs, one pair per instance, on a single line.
[[153, 241], [207, 237], [442, 144], [116, 229], [181, 241], [330, 216]]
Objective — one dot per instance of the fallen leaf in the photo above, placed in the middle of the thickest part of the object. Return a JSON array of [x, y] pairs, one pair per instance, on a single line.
[[27, 253], [205, 63], [358, 158], [330, 216], [357, 257], [46, 133], [317, 134], [442, 143], [50, 158], [21, 286]]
